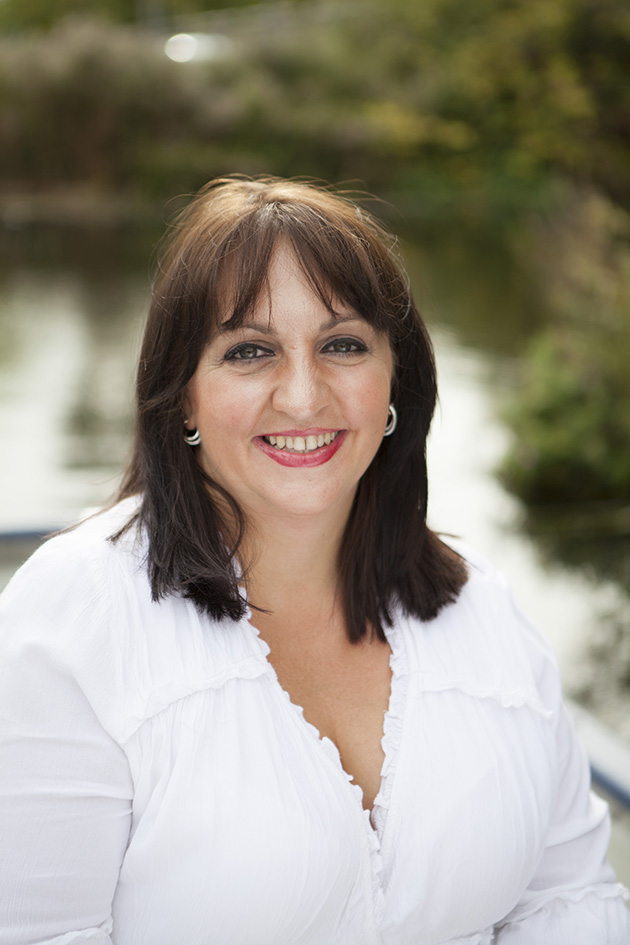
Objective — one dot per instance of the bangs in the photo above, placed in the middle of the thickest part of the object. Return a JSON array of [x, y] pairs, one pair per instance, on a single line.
[[340, 262]]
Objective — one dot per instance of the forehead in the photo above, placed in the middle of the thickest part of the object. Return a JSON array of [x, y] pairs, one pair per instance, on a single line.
[[289, 293]]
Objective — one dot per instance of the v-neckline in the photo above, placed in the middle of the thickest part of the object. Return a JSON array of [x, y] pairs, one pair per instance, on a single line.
[[376, 817]]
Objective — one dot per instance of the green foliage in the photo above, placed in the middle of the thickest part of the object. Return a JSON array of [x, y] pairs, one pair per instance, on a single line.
[[571, 422], [471, 105], [25, 15], [528, 87], [571, 415], [20, 15], [105, 107]]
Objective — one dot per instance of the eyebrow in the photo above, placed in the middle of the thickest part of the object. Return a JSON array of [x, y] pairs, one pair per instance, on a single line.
[[267, 329]]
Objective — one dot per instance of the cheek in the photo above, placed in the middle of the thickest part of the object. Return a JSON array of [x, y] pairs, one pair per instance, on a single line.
[[369, 396], [234, 408]]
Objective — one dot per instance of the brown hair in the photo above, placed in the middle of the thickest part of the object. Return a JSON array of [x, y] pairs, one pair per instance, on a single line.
[[221, 248]]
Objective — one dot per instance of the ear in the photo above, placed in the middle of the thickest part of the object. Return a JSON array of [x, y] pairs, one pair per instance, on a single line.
[[188, 413]]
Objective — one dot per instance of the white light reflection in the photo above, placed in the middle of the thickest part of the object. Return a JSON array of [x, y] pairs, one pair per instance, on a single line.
[[187, 47]]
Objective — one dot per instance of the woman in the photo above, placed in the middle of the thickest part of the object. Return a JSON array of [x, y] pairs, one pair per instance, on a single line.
[[258, 701]]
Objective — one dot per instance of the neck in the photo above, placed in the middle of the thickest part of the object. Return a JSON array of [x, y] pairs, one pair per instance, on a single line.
[[293, 562]]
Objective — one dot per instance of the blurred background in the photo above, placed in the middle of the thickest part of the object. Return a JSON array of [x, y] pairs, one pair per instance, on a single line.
[[496, 136]]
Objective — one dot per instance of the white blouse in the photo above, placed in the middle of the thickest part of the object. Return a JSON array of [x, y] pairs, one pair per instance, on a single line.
[[158, 787]]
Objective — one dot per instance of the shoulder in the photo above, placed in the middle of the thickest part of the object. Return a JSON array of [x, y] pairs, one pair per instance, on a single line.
[[82, 607], [64, 610], [484, 644], [73, 571]]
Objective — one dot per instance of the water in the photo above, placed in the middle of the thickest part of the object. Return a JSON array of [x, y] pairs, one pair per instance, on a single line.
[[70, 323], [71, 309]]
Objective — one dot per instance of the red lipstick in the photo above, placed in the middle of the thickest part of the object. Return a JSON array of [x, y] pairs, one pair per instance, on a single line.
[[301, 460]]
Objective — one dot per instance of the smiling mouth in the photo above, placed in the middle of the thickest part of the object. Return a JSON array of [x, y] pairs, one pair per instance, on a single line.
[[301, 444]]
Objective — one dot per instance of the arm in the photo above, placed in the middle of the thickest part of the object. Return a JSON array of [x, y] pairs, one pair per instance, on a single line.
[[65, 786], [572, 899]]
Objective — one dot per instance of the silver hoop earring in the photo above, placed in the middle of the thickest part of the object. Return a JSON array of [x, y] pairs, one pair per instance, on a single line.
[[193, 437], [392, 422]]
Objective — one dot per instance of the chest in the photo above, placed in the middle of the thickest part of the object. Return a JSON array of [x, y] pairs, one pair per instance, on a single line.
[[344, 692]]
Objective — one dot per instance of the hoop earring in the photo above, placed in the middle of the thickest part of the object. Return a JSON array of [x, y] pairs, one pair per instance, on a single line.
[[193, 437], [392, 422]]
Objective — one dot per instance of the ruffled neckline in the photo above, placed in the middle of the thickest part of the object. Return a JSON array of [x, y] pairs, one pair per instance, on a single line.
[[392, 727], [374, 821]]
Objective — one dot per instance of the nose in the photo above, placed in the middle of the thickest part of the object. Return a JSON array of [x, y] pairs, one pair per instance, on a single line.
[[301, 389]]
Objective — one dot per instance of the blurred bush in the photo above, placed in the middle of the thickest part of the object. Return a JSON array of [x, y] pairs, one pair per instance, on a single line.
[[571, 414], [471, 107], [19, 15], [92, 103]]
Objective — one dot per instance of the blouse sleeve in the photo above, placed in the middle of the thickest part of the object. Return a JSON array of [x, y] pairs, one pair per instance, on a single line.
[[572, 899], [65, 785]]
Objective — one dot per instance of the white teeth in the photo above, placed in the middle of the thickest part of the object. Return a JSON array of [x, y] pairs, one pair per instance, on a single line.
[[301, 444]]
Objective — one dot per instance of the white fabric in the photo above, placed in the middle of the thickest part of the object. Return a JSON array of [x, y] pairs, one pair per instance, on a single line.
[[157, 787]]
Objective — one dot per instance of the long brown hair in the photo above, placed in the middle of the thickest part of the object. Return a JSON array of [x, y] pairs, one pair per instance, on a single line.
[[221, 248]]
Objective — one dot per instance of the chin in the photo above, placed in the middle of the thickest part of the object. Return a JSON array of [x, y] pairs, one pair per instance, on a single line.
[[306, 503]]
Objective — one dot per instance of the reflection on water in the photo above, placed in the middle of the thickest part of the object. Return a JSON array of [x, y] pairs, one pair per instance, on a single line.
[[594, 541], [593, 537], [71, 308], [469, 281]]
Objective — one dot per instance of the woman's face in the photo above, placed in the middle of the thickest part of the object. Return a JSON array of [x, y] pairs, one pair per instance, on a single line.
[[291, 406]]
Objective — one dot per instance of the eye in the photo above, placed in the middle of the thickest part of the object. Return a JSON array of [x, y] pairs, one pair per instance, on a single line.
[[345, 346], [247, 351]]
